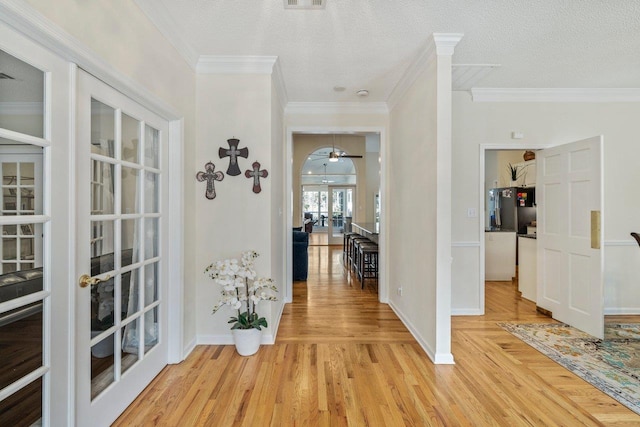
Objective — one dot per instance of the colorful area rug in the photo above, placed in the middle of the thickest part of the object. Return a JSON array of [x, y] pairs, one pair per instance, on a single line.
[[611, 365]]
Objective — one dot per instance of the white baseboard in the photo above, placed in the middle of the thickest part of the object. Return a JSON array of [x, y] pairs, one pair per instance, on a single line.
[[274, 328], [267, 339], [629, 311], [466, 312], [437, 358], [189, 348]]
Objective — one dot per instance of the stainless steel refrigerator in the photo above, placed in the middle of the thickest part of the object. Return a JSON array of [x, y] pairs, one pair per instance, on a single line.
[[511, 208]]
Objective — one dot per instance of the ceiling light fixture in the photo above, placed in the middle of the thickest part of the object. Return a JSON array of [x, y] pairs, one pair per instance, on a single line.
[[333, 156], [339, 88], [362, 93]]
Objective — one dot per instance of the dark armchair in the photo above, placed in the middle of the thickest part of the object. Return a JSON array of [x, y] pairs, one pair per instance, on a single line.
[[300, 255]]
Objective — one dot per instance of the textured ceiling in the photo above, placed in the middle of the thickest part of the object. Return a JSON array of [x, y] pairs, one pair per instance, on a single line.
[[368, 44]]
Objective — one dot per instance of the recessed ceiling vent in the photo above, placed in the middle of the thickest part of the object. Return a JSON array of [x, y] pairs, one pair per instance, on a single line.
[[467, 76], [305, 4], [4, 76]]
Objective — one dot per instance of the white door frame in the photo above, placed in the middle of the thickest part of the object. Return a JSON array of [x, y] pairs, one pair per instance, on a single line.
[[383, 295], [25, 20], [55, 142], [481, 217], [330, 189]]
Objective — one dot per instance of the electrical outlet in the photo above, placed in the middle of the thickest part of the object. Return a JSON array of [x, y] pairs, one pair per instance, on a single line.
[[400, 291], [472, 213]]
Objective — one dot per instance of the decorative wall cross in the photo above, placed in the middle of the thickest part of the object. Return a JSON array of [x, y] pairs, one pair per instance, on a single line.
[[211, 177], [256, 174], [233, 153]]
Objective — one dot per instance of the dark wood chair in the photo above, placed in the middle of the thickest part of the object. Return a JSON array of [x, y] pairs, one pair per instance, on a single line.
[[636, 236]]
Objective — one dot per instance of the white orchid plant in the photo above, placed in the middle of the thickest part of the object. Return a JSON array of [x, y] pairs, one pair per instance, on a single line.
[[242, 289]]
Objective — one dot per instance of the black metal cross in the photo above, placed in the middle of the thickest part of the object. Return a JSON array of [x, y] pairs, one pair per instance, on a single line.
[[233, 153], [211, 177], [256, 174]]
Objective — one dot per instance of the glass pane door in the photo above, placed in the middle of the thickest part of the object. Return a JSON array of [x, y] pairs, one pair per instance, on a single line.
[[121, 320], [341, 202], [24, 278]]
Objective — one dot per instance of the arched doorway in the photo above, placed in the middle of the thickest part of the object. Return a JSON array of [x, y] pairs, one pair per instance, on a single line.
[[328, 196]]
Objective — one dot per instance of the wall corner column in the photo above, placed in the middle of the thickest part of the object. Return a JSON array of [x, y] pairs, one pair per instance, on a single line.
[[444, 45]]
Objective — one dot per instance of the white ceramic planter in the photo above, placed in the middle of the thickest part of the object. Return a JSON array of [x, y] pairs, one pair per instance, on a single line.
[[247, 341]]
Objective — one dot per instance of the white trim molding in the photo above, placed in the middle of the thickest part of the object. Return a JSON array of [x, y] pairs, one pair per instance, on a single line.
[[24, 18], [163, 21], [278, 82], [439, 359], [227, 339], [555, 94], [622, 311], [270, 65], [336, 108], [438, 44]]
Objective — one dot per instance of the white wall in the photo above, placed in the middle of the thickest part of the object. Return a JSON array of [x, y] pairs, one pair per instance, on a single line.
[[419, 207], [550, 123], [412, 244], [237, 220]]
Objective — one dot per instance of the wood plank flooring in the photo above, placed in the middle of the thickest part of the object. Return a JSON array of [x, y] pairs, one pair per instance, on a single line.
[[341, 358]]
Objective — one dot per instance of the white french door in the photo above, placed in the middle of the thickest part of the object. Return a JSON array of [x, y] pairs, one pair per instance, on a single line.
[[570, 259], [341, 201], [121, 265]]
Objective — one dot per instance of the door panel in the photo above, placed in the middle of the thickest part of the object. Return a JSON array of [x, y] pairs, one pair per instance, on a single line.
[[25, 267], [121, 187], [570, 276], [341, 200]]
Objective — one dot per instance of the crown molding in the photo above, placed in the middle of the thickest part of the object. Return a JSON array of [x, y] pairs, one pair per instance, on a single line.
[[28, 21], [21, 108], [336, 108], [445, 43], [555, 94], [220, 64], [270, 65], [163, 21], [278, 82], [438, 44]]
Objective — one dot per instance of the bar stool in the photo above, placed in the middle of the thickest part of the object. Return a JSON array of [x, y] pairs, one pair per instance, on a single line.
[[368, 262], [353, 250], [346, 240]]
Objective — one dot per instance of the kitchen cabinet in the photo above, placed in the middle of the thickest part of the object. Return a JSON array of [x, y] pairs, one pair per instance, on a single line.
[[499, 255], [527, 267]]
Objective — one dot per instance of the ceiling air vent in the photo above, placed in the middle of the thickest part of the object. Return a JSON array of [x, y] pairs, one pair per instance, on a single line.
[[4, 76], [467, 76], [305, 4]]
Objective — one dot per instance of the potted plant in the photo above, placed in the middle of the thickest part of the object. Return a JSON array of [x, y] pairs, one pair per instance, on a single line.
[[242, 290], [514, 173]]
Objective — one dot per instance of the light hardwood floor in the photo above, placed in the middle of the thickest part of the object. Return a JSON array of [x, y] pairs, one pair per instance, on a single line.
[[341, 358]]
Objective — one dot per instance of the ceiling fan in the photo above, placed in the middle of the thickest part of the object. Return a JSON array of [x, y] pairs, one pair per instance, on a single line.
[[334, 155]]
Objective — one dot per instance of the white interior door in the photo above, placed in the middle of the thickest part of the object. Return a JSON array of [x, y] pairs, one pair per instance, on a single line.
[[341, 201], [569, 195], [121, 233]]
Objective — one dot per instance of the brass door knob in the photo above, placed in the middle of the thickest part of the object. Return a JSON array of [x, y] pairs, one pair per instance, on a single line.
[[86, 280]]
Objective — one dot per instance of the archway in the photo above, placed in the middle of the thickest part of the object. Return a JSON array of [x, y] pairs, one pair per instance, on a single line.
[[328, 196]]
